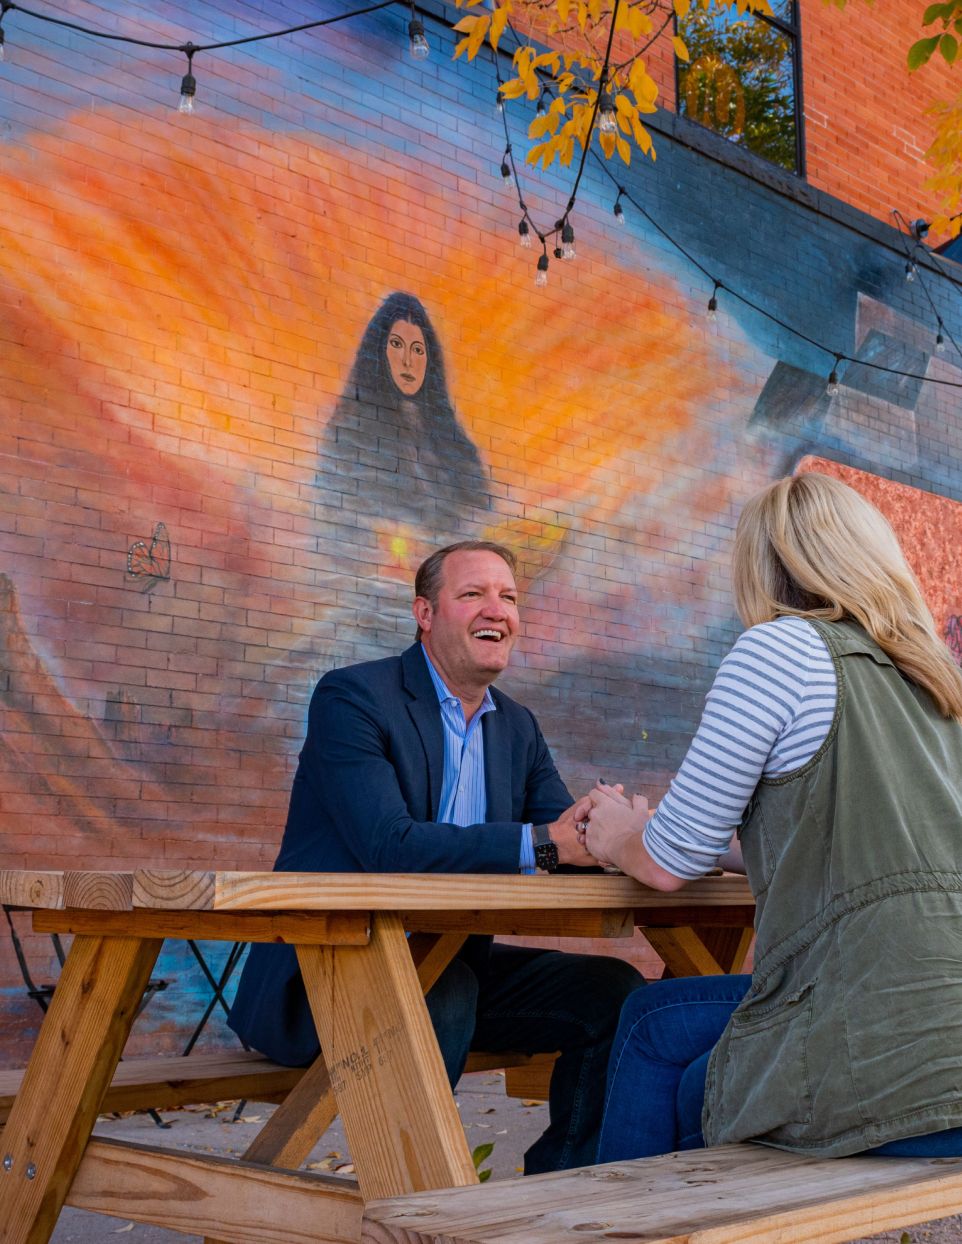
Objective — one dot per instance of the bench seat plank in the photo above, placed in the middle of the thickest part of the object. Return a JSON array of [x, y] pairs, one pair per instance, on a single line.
[[166, 1083], [197, 1192], [735, 1194]]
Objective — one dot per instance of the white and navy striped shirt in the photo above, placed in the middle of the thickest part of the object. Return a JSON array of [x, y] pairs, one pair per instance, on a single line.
[[769, 710]]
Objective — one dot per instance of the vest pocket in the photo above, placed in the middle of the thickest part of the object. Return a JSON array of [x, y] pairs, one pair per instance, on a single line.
[[765, 1083]]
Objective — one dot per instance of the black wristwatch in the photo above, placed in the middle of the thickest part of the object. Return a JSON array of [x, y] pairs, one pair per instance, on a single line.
[[545, 851]]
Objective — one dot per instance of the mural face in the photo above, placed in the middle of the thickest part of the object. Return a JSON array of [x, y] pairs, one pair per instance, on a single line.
[[406, 356], [236, 413]]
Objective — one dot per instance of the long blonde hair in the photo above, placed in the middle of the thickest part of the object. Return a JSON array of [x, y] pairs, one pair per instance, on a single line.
[[810, 546]]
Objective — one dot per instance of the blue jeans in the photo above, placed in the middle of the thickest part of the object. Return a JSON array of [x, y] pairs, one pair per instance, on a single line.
[[532, 1002], [656, 1078]]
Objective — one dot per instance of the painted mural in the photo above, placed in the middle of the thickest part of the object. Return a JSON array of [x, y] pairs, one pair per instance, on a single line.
[[256, 363]]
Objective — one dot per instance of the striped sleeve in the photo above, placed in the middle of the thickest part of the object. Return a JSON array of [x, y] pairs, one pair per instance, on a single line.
[[769, 710]]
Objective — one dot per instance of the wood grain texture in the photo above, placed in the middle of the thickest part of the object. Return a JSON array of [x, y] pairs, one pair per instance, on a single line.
[[335, 928], [80, 1041], [197, 1193], [683, 952], [530, 1079], [399, 1116], [178, 889], [412, 892], [295, 1127], [164, 1083], [738, 1194], [565, 923], [31, 889], [98, 891]]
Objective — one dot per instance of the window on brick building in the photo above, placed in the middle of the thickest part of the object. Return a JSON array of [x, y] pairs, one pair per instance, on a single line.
[[743, 79]]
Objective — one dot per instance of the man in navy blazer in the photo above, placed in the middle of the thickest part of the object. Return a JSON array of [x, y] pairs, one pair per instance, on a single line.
[[416, 764]]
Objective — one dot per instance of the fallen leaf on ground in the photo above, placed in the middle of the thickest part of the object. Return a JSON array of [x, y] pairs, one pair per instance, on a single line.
[[129, 1227]]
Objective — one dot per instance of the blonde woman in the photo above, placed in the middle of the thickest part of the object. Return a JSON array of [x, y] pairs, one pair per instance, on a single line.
[[832, 742]]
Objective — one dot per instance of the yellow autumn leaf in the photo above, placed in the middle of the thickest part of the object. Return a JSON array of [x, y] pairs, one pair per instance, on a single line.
[[465, 24], [607, 144], [681, 50], [563, 7], [512, 89], [682, 7], [499, 19], [623, 149], [460, 47], [476, 38], [639, 23]]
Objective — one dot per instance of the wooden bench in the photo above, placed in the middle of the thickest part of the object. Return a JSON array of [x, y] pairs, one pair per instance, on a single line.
[[735, 1194], [165, 1083]]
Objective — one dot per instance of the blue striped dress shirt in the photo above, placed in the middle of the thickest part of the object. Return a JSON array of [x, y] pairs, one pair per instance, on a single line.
[[464, 797]]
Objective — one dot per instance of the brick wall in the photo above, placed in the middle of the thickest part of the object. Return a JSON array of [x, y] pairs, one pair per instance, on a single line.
[[209, 494]]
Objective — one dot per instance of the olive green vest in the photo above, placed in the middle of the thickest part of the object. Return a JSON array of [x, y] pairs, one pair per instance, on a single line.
[[851, 1034]]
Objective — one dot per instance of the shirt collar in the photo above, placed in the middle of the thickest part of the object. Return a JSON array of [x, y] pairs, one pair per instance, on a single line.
[[446, 696]]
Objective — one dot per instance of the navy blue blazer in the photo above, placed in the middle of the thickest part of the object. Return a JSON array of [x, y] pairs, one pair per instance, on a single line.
[[365, 799]]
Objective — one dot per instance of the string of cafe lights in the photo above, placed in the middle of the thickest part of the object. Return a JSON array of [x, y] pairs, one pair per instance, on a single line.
[[188, 85], [563, 231], [917, 231], [838, 357]]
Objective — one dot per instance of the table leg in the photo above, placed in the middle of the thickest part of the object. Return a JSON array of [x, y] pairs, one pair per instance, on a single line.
[[701, 951], [77, 1051], [402, 1125]]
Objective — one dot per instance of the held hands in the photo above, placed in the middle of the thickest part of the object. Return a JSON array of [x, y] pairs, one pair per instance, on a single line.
[[566, 837], [614, 823]]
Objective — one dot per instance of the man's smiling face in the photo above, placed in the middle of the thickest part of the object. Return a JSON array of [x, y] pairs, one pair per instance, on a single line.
[[470, 630]]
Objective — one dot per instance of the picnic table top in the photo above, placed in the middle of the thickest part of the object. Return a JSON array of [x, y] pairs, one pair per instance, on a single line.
[[203, 890]]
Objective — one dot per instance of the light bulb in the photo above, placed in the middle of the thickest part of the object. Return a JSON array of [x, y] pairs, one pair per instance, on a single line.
[[540, 109], [619, 213], [541, 276], [3, 40], [910, 271], [499, 101], [711, 315], [567, 241], [832, 388], [607, 121], [525, 234], [188, 89], [940, 342], [419, 44], [506, 171]]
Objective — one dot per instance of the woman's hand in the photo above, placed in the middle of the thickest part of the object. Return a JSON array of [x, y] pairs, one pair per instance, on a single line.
[[613, 831], [614, 822]]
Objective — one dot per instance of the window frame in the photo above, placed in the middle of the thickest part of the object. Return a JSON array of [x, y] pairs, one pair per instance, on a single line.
[[793, 29]]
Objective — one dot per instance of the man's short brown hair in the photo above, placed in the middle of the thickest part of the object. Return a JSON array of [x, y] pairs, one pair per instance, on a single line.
[[427, 581]]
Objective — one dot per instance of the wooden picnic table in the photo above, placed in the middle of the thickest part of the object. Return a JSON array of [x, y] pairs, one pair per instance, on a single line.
[[365, 978]]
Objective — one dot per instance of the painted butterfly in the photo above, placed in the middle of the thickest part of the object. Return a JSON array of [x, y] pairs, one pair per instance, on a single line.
[[150, 561]]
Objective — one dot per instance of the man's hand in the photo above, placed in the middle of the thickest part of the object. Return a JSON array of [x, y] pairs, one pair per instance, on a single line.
[[564, 834]]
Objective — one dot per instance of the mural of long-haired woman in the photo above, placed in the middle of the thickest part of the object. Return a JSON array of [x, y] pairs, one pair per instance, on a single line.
[[394, 429]]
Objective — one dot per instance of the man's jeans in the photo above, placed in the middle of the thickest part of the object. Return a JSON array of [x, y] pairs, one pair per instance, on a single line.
[[533, 1002], [656, 1081]]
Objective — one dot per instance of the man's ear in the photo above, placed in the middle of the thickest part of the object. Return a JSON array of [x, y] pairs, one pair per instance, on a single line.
[[423, 612]]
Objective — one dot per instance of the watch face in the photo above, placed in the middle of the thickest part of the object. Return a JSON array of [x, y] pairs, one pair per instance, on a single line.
[[546, 856]]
